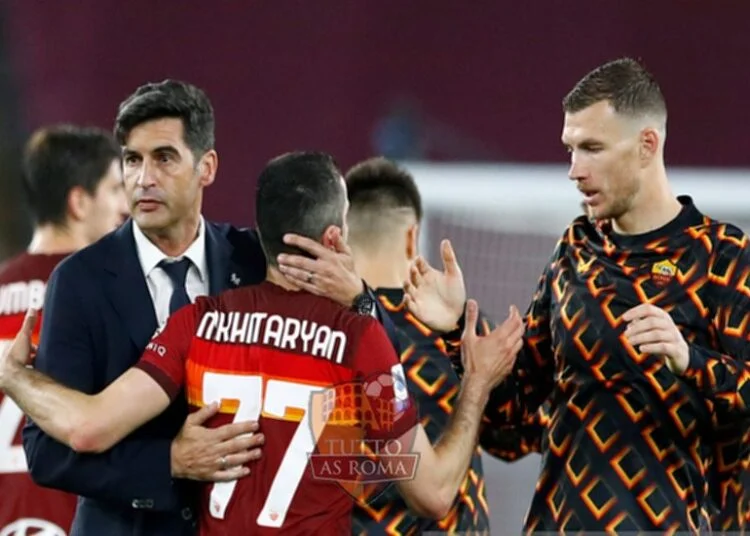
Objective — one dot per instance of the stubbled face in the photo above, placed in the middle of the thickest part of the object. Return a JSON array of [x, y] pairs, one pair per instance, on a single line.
[[163, 182], [604, 159], [107, 208]]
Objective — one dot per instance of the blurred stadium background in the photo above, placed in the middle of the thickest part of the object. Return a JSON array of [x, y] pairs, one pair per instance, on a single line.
[[467, 94]]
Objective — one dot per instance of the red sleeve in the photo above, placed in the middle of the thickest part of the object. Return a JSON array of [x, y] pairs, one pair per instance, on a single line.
[[383, 385], [164, 357]]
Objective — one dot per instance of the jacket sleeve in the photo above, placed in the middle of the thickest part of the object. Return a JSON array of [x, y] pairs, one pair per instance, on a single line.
[[722, 373], [136, 472], [515, 418]]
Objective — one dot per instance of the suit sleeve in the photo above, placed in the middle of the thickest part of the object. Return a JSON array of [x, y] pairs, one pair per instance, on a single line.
[[514, 419], [722, 373], [136, 471], [165, 355], [383, 383]]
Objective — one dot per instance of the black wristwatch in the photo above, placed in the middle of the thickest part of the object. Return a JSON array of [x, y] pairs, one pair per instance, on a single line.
[[364, 302]]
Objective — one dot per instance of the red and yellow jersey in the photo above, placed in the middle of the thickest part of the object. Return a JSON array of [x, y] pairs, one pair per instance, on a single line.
[[292, 361], [23, 282]]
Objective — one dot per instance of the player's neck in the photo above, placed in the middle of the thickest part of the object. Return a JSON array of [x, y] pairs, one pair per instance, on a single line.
[[273, 275], [384, 271], [655, 208], [53, 239]]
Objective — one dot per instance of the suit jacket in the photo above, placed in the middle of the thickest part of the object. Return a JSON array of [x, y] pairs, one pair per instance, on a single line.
[[98, 319]]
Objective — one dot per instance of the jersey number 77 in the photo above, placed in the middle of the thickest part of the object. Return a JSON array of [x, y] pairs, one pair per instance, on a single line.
[[279, 397]]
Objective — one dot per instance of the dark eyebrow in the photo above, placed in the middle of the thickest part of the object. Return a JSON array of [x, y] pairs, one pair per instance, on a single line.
[[129, 152], [171, 149], [587, 142]]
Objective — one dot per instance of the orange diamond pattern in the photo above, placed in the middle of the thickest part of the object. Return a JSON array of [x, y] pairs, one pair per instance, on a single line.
[[433, 383], [629, 446]]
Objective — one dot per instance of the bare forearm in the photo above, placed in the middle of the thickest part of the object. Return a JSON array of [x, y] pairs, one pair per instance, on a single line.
[[56, 409], [459, 441], [442, 468]]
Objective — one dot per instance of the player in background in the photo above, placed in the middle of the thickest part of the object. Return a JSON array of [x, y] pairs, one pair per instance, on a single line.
[[638, 331], [73, 181], [385, 212], [266, 350]]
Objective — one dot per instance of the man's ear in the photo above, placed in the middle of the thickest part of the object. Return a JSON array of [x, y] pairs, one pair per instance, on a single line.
[[207, 168], [79, 203], [329, 236], [412, 242], [648, 145]]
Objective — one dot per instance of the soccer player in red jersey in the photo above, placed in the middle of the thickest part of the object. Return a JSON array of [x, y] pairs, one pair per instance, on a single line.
[[295, 361], [637, 335], [73, 180]]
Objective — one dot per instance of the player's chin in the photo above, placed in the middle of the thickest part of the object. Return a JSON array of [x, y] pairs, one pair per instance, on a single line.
[[600, 211]]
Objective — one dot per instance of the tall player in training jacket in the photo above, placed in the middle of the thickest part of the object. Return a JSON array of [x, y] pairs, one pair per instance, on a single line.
[[637, 334], [317, 376], [73, 181]]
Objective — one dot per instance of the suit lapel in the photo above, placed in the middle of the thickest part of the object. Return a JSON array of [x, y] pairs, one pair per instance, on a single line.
[[127, 289], [218, 257]]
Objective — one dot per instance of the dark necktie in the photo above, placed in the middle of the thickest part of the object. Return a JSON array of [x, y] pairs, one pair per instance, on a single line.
[[177, 272]]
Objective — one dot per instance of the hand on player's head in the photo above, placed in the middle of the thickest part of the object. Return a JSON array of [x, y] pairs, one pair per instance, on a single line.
[[436, 298], [331, 273], [491, 357]]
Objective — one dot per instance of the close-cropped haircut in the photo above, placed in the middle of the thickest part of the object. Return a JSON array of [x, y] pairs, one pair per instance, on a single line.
[[383, 198], [169, 99], [59, 158], [378, 185], [624, 83], [298, 193]]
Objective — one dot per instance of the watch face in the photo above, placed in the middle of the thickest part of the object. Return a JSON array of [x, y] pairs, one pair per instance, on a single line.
[[364, 304]]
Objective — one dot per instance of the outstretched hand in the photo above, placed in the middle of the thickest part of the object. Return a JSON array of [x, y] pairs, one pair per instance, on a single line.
[[489, 359], [436, 298]]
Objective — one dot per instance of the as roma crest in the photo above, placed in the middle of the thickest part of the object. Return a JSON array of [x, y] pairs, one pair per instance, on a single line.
[[663, 272]]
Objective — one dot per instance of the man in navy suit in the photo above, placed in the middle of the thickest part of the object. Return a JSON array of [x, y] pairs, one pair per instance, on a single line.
[[104, 304]]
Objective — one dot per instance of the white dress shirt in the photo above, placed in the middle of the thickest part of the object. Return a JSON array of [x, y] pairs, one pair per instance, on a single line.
[[159, 284]]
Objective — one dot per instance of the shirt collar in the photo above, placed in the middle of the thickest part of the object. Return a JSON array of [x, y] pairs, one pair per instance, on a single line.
[[150, 256]]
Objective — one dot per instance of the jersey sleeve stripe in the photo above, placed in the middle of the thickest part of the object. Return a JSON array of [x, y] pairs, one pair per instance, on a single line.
[[160, 377]]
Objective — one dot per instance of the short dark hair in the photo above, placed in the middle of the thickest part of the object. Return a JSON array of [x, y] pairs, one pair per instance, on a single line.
[[300, 193], [170, 98], [57, 159], [624, 83], [378, 184]]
